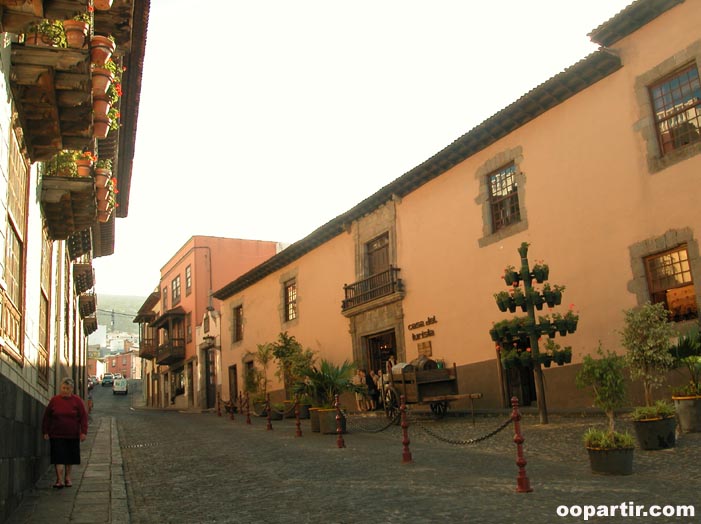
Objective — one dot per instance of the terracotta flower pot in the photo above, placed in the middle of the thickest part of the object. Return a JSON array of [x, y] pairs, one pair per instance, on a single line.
[[76, 33], [103, 205], [102, 193], [101, 106], [84, 166], [101, 49], [103, 216], [101, 126], [101, 80], [102, 5], [102, 176]]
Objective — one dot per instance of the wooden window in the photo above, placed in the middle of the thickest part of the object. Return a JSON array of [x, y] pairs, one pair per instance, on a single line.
[[290, 300], [165, 299], [44, 304], [237, 323], [670, 282], [188, 280], [377, 251], [188, 327], [676, 104], [175, 285], [503, 197]]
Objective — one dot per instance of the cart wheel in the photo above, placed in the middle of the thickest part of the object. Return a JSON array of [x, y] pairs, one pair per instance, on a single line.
[[439, 409], [391, 403]]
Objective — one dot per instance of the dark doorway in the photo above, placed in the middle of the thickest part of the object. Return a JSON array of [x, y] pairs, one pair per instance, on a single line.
[[211, 378], [521, 384], [381, 347], [233, 384]]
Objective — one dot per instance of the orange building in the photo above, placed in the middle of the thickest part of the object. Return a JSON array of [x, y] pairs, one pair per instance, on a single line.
[[178, 370], [597, 168]]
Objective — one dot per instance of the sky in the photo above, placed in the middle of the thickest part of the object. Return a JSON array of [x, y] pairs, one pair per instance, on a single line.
[[284, 114]]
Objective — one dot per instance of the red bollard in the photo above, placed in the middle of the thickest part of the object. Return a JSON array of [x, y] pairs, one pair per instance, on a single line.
[[232, 405], [522, 483], [239, 399], [339, 429], [248, 410], [269, 427], [218, 404], [298, 431], [406, 454]]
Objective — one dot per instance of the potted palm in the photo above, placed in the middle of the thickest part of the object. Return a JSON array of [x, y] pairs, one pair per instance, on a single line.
[[610, 452], [646, 336], [687, 400]]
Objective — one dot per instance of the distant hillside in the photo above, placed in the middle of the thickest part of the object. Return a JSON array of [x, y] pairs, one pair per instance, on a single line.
[[117, 312]]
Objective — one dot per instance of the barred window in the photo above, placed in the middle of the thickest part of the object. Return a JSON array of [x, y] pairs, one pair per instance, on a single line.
[[503, 197], [290, 300], [237, 331], [676, 102], [670, 282]]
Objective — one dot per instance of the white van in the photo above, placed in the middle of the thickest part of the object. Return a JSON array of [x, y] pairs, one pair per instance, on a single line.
[[120, 386]]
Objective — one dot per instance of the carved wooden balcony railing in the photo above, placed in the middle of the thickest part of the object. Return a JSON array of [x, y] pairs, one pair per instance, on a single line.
[[83, 277], [87, 304], [148, 348], [171, 352], [374, 287], [89, 325], [79, 244]]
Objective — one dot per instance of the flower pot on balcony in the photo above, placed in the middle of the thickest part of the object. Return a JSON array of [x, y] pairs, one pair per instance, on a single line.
[[102, 5], [76, 32], [101, 126], [84, 166], [101, 49], [103, 216], [102, 176], [101, 106], [101, 193], [101, 80]]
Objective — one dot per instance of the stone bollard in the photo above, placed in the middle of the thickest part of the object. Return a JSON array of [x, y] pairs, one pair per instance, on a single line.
[[339, 428], [406, 454], [522, 483]]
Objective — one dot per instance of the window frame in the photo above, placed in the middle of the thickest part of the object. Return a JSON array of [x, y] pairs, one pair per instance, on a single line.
[[175, 290], [188, 280], [237, 323], [508, 172], [659, 293], [290, 300]]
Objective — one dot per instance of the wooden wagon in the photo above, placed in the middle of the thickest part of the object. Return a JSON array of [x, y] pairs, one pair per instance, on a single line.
[[436, 387]]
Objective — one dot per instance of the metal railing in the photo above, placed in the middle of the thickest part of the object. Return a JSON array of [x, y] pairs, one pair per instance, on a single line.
[[372, 288]]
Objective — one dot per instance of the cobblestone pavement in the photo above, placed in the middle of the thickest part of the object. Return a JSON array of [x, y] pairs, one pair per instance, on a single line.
[[198, 467]]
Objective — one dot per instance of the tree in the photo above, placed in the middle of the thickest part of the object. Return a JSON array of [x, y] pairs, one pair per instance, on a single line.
[[605, 376], [293, 360]]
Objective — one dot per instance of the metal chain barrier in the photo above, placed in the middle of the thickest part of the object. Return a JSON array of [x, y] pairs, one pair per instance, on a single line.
[[467, 442], [353, 423]]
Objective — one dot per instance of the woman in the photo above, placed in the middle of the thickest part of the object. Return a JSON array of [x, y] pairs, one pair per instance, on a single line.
[[65, 426]]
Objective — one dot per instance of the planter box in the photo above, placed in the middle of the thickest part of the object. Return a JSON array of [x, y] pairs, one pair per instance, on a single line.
[[611, 461], [656, 433], [327, 422], [688, 413]]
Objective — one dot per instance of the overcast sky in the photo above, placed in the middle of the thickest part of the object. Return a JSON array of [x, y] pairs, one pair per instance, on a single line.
[[290, 112]]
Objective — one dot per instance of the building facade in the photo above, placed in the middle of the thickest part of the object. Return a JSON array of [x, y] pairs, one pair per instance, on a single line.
[[179, 369], [596, 168], [51, 227]]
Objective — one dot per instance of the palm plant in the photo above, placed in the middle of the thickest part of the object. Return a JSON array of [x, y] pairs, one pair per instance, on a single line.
[[323, 383]]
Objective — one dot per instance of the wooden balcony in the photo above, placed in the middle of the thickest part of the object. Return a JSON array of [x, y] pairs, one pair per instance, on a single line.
[[171, 352], [87, 304], [68, 204], [148, 348], [372, 288], [83, 277], [79, 244], [89, 325]]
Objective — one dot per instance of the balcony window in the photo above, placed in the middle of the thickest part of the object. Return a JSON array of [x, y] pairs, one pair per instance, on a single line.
[[377, 251]]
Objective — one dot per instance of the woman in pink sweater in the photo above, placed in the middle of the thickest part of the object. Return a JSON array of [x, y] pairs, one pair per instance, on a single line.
[[65, 426]]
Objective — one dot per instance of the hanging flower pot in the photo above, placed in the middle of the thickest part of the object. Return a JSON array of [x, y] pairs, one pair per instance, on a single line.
[[76, 33], [102, 176], [101, 49], [101, 106], [103, 216], [102, 193], [102, 5], [101, 126], [101, 80]]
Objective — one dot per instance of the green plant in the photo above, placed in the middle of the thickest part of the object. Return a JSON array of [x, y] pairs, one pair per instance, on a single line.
[[293, 360], [83, 17], [502, 300], [62, 164], [323, 383], [595, 438], [686, 352], [541, 271], [51, 32], [660, 409], [103, 163], [646, 335], [605, 376], [113, 115]]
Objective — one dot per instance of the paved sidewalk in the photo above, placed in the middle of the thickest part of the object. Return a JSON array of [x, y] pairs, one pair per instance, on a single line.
[[98, 493]]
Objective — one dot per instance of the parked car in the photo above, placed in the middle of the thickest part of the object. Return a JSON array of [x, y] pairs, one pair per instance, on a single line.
[[120, 386], [92, 380], [107, 379]]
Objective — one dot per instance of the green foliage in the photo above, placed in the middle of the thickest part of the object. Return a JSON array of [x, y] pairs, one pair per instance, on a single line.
[[646, 336], [660, 409], [323, 383], [103, 163], [293, 360], [62, 164], [605, 376], [600, 439], [687, 353], [51, 32]]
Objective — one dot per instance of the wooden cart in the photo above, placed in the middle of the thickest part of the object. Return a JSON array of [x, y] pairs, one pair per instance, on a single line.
[[435, 387]]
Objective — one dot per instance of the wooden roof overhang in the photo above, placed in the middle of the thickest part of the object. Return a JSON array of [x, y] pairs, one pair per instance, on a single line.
[[629, 20], [549, 94], [166, 318]]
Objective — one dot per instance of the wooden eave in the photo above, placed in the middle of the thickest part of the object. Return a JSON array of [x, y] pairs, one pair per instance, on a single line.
[[146, 313], [549, 94], [162, 321], [83, 277], [68, 204], [629, 20]]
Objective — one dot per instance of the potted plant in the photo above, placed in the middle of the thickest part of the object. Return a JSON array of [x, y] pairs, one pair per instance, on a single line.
[[502, 299], [535, 298], [686, 353], [553, 294], [292, 360], [62, 164], [101, 49], [560, 323], [646, 336], [322, 384], [519, 298], [541, 271], [47, 33], [262, 357], [610, 452], [511, 276], [571, 320], [76, 29]]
